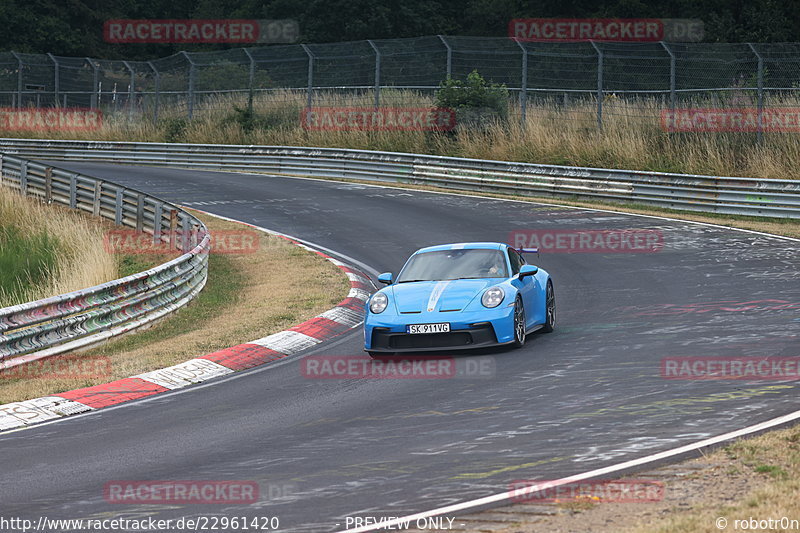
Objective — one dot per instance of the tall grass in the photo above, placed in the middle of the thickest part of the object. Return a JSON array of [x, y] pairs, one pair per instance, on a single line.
[[555, 131], [47, 250]]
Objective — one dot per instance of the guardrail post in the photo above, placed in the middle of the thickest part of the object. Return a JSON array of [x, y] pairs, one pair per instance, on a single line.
[[98, 193], [173, 228], [139, 212], [23, 178], [449, 55], [377, 88], [523, 97], [760, 82], [55, 77], [671, 76], [250, 79], [73, 191], [19, 79], [48, 185], [157, 222], [599, 85], [186, 239], [1, 170], [158, 90], [118, 207], [310, 75], [190, 101]]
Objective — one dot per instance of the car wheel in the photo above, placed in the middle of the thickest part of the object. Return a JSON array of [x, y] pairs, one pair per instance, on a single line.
[[519, 323], [550, 308]]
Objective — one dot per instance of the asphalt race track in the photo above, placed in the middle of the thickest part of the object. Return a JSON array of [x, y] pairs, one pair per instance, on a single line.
[[588, 395]]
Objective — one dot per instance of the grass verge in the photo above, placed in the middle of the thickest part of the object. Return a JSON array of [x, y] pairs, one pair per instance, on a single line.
[[47, 250], [247, 296]]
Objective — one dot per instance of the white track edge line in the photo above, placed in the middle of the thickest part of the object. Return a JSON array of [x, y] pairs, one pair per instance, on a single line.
[[516, 493]]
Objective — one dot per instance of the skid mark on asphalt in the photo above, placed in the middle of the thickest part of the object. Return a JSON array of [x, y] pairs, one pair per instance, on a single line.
[[653, 408], [505, 469]]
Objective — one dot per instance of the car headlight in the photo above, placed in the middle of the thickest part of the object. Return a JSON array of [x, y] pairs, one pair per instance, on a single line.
[[492, 297], [378, 303]]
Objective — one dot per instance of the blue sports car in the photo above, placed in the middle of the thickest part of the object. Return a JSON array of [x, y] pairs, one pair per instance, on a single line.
[[457, 296]]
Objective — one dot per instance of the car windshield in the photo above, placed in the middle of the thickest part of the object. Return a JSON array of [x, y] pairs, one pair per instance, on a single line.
[[454, 264]]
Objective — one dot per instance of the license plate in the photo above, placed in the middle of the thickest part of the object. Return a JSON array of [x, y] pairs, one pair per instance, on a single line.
[[414, 329]]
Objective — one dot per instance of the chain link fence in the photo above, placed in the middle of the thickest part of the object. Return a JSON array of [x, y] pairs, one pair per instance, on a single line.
[[592, 81]]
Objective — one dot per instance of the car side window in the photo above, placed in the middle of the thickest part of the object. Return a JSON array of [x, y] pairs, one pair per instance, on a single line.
[[515, 260]]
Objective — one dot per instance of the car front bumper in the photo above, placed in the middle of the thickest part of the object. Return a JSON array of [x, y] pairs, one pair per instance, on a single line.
[[468, 330]]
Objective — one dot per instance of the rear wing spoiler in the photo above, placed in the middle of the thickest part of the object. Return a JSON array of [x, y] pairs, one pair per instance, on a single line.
[[528, 250]]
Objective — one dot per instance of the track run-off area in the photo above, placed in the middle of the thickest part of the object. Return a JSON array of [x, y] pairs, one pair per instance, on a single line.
[[594, 393]]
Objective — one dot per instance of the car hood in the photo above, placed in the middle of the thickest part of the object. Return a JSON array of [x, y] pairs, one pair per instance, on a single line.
[[428, 296]]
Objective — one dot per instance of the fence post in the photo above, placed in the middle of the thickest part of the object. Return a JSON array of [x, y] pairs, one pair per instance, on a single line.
[[158, 90], [760, 133], [131, 90], [449, 55], [377, 73], [190, 101], [55, 77], [310, 75], [523, 97], [671, 77], [599, 85], [19, 79], [93, 95], [250, 80]]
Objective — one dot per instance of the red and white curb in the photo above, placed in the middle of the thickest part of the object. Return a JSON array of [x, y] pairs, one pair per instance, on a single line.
[[348, 314]]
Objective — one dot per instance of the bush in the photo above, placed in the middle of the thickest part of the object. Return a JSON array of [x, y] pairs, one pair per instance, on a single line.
[[475, 100]]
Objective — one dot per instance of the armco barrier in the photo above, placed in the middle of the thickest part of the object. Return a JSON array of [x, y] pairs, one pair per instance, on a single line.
[[740, 196], [69, 321]]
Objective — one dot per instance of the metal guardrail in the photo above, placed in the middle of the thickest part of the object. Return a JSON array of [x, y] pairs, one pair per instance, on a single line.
[[726, 195], [80, 318]]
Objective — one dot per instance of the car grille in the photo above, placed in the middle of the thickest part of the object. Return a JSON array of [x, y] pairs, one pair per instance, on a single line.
[[478, 335]]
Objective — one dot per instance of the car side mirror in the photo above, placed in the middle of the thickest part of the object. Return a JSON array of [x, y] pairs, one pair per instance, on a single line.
[[527, 270], [385, 278]]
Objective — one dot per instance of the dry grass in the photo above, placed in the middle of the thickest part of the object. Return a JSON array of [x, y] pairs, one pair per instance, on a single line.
[[554, 133], [82, 260], [248, 296]]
